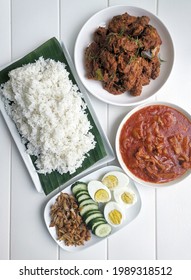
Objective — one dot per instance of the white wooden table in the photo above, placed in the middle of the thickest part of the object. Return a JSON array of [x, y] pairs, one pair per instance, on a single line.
[[163, 228]]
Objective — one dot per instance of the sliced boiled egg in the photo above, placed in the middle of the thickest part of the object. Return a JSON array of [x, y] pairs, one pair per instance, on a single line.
[[125, 196], [98, 191], [115, 179], [114, 214]]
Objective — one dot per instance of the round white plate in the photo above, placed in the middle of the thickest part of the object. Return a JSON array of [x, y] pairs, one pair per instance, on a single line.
[[85, 37]]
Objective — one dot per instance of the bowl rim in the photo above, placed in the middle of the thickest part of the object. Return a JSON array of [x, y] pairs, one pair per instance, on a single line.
[[119, 157]]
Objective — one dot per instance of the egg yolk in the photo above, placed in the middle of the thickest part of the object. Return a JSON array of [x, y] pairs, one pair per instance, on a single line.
[[101, 196], [110, 181], [127, 198], [115, 217]]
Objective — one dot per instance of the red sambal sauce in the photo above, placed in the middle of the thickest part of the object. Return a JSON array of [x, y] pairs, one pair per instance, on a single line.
[[155, 144]]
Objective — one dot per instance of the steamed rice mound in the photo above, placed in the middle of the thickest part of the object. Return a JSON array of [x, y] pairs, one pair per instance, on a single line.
[[49, 114]]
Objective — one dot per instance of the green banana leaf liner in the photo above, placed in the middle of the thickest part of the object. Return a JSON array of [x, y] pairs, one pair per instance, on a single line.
[[52, 49]]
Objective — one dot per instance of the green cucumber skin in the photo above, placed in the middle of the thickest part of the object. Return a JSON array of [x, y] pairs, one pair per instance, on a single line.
[[97, 221], [79, 193], [82, 197], [86, 202], [89, 211], [99, 228], [78, 186], [94, 215], [87, 208]]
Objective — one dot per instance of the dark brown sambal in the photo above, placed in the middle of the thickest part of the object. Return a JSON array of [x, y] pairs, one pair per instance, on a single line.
[[124, 56]]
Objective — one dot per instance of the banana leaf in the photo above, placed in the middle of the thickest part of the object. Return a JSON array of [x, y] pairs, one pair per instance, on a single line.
[[52, 49]]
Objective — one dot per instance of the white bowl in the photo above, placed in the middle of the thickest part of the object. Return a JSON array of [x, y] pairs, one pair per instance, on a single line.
[[117, 146], [85, 38]]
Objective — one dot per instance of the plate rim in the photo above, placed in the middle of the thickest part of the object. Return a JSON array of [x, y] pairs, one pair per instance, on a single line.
[[115, 7], [110, 155], [83, 247]]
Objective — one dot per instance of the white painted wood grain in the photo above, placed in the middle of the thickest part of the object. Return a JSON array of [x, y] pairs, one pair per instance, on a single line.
[[176, 17], [32, 25], [5, 32], [137, 241], [5, 189], [97, 252], [150, 5], [174, 222], [5, 141], [29, 236], [173, 204], [74, 15], [129, 244], [71, 23], [33, 22], [163, 228]]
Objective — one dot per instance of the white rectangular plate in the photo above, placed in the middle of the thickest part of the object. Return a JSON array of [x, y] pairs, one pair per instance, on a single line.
[[96, 175], [27, 159]]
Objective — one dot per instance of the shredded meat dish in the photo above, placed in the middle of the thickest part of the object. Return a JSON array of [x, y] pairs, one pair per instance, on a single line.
[[155, 144], [124, 56], [66, 219]]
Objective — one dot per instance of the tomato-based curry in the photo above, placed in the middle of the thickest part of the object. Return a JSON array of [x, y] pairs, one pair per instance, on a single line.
[[155, 143]]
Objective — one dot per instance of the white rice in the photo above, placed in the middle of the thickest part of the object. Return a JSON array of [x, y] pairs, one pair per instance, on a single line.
[[50, 115]]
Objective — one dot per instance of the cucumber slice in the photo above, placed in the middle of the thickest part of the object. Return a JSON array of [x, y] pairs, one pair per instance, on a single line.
[[78, 186], [79, 193], [86, 208], [102, 230], [93, 216], [95, 222], [86, 202], [91, 212], [82, 197]]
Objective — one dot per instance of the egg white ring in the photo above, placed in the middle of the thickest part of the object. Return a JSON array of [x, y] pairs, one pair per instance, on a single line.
[[112, 205], [94, 186], [123, 179], [118, 192]]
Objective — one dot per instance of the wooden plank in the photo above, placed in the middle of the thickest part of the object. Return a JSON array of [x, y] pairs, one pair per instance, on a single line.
[[69, 11], [96, 252], [177, 88], [5, 31], [81, 11], [130, 237], [137, 240], [173, 222], [149, 5], [173, 204], [73, 15], [5, 140], [33, 23], [29, 236], [5, 175]]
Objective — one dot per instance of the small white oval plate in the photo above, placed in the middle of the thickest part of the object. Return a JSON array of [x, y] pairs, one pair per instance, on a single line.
[[97, 175], [85, 37]]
